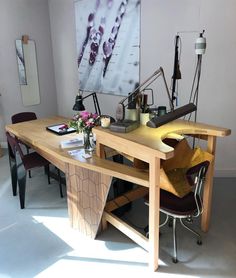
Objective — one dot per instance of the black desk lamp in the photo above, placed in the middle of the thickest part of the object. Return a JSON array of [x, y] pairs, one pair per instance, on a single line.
[[120, 111], [79, 106]]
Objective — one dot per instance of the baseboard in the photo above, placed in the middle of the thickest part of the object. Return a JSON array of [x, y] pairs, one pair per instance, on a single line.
[[3, 145]]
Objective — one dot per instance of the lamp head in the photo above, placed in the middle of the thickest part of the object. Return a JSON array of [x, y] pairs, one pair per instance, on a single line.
[[200, 44], [78, 106], [120, 112]]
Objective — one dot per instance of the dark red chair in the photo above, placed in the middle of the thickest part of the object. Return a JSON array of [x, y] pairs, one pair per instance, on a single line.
[[29, 116], [23, 163], [23, 117], [187, 207]]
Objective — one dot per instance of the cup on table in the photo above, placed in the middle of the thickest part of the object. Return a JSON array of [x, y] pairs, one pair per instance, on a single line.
[[161, 110], [105, 122], [144, 118]]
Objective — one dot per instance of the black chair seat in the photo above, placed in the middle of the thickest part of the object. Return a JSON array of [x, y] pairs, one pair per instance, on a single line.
[[33, 160], [176, 205]]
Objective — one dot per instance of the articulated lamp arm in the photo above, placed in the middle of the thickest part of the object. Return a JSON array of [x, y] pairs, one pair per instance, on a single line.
[[120, 111]]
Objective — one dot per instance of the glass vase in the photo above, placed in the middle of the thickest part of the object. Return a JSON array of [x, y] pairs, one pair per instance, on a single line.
[[88, 137]]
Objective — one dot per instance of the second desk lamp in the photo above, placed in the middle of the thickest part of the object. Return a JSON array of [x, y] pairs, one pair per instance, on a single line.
[[79, 106]]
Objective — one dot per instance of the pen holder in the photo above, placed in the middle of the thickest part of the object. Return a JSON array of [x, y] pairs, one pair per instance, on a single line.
[[161, 110], [132, 114], [144, 118]]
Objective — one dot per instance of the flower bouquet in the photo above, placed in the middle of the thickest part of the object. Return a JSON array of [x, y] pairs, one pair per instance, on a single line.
[[84, 122]]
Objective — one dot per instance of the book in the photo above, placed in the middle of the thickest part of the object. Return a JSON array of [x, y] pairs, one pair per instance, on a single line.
[[124, 126]]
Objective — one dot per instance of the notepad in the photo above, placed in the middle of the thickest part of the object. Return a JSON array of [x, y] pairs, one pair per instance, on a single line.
[[77, 154]]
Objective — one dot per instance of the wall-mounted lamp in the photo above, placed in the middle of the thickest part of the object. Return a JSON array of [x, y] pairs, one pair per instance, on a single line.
[[79, 106], [200, 48]]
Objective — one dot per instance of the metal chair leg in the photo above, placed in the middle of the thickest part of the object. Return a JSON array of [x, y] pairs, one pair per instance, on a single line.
[[166, 220], [174, 259], [199, 241], [146, 229]]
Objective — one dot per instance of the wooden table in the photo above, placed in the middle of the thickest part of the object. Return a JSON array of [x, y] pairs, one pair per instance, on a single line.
[[88, 181]]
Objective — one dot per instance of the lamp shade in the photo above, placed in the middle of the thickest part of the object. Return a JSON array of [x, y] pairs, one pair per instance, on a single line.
[[200, 45], [78, 106]]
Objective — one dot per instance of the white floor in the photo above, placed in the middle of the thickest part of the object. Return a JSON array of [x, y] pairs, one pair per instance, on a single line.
[[38, 241]]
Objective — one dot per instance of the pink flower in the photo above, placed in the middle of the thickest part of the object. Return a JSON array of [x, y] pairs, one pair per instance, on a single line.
[[84, 121], [84, 114]]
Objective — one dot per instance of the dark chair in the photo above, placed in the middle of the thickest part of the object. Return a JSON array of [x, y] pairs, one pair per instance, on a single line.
[[187, 207], [24, 117], [29, 116], [24, 163]]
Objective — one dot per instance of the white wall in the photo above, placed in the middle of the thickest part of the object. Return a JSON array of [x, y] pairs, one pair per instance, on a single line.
[[160, 21], [19, 17]]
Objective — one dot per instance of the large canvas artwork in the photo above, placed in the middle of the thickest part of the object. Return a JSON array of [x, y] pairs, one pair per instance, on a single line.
[[108, 44]]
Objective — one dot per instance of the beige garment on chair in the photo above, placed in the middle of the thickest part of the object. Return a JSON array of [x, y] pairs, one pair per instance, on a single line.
[[173, 174]]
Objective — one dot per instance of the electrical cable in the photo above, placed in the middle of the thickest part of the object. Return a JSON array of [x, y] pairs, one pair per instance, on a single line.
[[197, 88], [194, 93]]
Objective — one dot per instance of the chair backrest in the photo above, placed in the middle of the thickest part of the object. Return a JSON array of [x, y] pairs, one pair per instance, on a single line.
[[23, 117], [14, 144], [196, 177]]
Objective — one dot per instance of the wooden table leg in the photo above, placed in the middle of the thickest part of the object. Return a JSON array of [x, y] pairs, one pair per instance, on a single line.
[[154, 205], [87, 192], [100, 151], [207, 193]]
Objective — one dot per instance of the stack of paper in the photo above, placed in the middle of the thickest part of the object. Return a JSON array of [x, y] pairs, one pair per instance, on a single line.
[[76, 154], [72, 143]]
